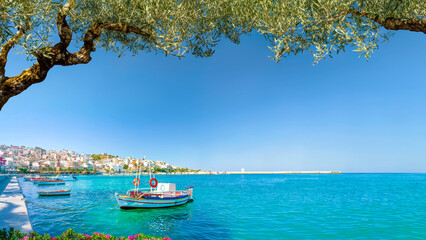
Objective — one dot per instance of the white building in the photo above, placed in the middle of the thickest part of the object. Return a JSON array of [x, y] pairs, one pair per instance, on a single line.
[[35, 166], [87, 165], [117, 168]]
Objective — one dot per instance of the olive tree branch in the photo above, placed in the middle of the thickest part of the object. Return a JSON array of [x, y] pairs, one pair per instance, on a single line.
[[5, 51], [390, 23]]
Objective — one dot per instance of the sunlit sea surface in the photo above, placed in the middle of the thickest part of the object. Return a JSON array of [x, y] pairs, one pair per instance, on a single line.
[[341, 206]]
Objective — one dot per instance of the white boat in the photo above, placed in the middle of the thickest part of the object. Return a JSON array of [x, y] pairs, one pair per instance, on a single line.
[[26, 178], [65, 192], [159, 195], [64, 178]]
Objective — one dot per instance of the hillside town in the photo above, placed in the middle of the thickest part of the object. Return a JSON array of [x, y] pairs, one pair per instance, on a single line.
[[39, 160]]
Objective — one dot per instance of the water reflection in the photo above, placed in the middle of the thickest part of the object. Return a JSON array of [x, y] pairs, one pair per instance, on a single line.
[[161, 220]]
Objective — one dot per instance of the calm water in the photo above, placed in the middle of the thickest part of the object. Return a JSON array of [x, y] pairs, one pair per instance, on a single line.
[[3, 183], [344, 206]]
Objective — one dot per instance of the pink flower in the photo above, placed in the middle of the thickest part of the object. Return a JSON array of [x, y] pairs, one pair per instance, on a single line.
[[53, 238], [136, 235], [108, 236], [131, 237], [88, 236]]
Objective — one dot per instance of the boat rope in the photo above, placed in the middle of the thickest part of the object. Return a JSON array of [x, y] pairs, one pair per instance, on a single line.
[[67, 209]]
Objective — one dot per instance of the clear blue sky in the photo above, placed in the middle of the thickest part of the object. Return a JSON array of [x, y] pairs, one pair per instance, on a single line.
[[238, 109]]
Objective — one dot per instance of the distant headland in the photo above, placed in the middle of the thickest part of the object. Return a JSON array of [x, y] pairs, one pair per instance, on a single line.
[[285, 172]]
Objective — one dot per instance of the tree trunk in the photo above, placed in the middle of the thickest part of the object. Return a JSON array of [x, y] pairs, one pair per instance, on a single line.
[[13, 86], [416, 24], [58, 55]]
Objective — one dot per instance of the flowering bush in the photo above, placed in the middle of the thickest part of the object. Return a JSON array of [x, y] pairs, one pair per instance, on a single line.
[[11, 234]]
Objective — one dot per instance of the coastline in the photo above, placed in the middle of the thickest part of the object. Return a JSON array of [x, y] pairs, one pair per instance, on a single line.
[[287, 172]]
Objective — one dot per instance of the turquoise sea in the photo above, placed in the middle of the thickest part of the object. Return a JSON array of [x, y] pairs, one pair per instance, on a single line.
[[3, 184], [341, 206]]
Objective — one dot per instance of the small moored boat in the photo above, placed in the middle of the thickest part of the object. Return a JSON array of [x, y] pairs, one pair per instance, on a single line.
[[154, 198], [26, 178], [50, 182], [64, 178], [159, 195], [35, 179], [65, 192]]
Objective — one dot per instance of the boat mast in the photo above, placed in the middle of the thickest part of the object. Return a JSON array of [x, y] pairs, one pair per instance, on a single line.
[[137, 172], [149, 166]]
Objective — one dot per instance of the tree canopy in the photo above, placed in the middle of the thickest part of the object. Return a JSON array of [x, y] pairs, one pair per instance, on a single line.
[[53, 32]]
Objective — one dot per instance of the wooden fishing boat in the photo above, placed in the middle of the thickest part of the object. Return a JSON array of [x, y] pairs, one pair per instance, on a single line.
[[159, 195], [50, 182], [65, 192], [154, 198], [35, 179]]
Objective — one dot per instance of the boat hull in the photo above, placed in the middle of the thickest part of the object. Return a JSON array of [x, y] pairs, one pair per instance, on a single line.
[[50, 183], [35, 180], [54, 193], [65, 178], [126, 202]]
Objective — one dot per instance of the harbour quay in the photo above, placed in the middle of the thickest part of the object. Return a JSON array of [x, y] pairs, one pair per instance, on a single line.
[[13, 211]]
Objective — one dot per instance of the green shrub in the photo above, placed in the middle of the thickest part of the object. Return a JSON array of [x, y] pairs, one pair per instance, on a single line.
[[11, 234]]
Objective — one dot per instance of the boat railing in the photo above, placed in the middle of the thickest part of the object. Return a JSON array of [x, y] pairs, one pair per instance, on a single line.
[[172, 193], [139, 190]]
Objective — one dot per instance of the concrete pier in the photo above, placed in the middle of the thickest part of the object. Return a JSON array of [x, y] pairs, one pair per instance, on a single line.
[[13, 211]]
